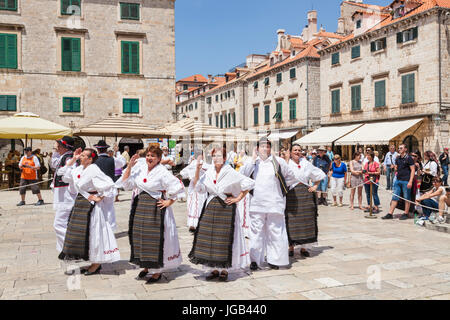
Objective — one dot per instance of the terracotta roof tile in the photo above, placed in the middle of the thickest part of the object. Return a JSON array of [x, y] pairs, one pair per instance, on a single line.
[[194, 78], [328, 35], [365, 5]]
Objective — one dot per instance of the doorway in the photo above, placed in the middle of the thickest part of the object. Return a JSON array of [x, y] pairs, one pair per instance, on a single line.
[[134, 144]]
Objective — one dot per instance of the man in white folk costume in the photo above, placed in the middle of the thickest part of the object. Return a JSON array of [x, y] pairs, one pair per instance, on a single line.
[[195, 198], [219, 240], [152, 229], [63, 195], [268, 236], [90, 235], [301, 203]]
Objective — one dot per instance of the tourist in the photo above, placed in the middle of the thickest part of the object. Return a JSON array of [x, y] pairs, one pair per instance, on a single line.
[[389, 163], [301, 205], [219, 241], [330, 153], [64, 195], [240, 159], [268, 236], [444, 201], [152, 230], [126, 154], [90, 235], [403, 183], [323, 162], [370, 149], [429, 171], [337, 176], [372, 172], [356, 180], [29, 165], [432, 199], [444, 161], [167, 160]]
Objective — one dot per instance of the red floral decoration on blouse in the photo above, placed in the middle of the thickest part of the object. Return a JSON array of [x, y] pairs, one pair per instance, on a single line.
[[145, 180], [78, 176], [215, 181]]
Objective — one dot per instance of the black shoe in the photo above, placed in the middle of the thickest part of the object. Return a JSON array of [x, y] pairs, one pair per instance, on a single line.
[[253, 266], [319, 201], [304, 253], [191, 229], [39, 203], [388, 216], [89, 273], [212, 276], [274, 267], [324, 202], [142, 274], [404, 217], [223, 276], [153, 280], [21, 203], [291, 253]]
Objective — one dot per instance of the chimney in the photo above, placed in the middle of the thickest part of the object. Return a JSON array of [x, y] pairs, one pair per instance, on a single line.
[[209, 77], [280, 33], [312, 22], [340, 28]]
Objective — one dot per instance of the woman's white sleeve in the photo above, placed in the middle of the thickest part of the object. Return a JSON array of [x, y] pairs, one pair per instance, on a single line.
[[66, 173], [173, 186]]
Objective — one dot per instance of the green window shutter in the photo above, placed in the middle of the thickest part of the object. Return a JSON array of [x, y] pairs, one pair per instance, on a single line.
[[66, 104], [335, 58], [234, 119], [266, 81], [255, 116], [380, 93], [217, 97], [292, 73], [356, 52], [130, 57], [221, 121], [134, 105], [11, 51], [64, 5], [126, 106], [415, 32], [279, 77], [3, 40], [10, 5], [3, 103], [356, 97], [76, 105], [372, 46], [210, 120], [217, 121], [135, 57], [411, 88], [66, 54], [399, 37], [129, 11], [125, 57], [384, 43], [292, 109], [408, 88], [279, 114], [255, 85], [76, 54], [335, 101], [266, 114], [11, 103]]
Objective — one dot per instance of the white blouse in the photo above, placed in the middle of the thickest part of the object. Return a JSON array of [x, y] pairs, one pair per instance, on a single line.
[[229, 181], [432, 166], [155, 182], [305, 172]]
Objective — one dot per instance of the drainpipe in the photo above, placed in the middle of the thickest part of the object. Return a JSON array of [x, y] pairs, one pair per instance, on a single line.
[[307, 94]]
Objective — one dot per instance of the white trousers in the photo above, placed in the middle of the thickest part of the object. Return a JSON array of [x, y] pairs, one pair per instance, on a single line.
[[268, 237], [337, 186], [60, 226]]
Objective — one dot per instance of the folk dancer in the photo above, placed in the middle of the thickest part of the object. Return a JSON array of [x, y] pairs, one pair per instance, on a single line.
[[64, 195], [152, 230], [90, 235], [301, 202], [195, 199], [218, 241], [268, 234]]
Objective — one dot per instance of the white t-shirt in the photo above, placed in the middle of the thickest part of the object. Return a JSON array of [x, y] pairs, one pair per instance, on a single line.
[[168, 157], [365, 160], [432, 166], [443, 192]]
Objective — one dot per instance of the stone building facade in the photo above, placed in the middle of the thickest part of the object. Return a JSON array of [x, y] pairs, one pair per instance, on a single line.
[[395, 69], [105, 57]]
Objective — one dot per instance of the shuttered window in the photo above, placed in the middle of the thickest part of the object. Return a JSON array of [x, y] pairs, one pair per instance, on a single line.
[[380, 93], [407, 35], [335, 101], [70, 7], [210, 120], [234, 119], [408, 88], [266, 81], [8, 103], [292, 74], [356, 52], [71, 54], [255, 85], [221, 121], [255, 116], [279, 114], [292, 109], [356, 97], [217, 121], [377, 45], [130, 105], [71, 104], [129, 11], [335, 58], [279, 77], [130, 57], [10, 5], [8, 51], [267, 114]]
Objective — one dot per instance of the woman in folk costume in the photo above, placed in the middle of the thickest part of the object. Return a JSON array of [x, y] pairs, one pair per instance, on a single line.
[[195, 199], [218, 241], [152, 229], [90, 235], [301, 204]]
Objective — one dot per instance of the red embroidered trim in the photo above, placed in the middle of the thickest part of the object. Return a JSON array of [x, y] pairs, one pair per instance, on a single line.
[[111, 251], [244, 254], [175, 256]]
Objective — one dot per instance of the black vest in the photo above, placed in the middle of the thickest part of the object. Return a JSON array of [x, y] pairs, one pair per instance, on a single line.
[[284, 188], [106, 164], [58, 183]]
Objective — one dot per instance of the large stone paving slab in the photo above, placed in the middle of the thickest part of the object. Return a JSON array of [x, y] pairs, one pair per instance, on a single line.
[[355, 258]]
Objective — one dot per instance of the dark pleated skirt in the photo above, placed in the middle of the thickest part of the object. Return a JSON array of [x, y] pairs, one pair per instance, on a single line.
[[146, 232], [301, 216], [76, 242], [213, 238]]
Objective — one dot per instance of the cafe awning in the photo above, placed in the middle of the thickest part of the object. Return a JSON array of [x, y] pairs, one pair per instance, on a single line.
[[121, 127], [326, 135], [283, 134], [377, 133]]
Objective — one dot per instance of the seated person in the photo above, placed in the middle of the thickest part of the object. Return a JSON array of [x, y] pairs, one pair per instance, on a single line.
[[432, 198]]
